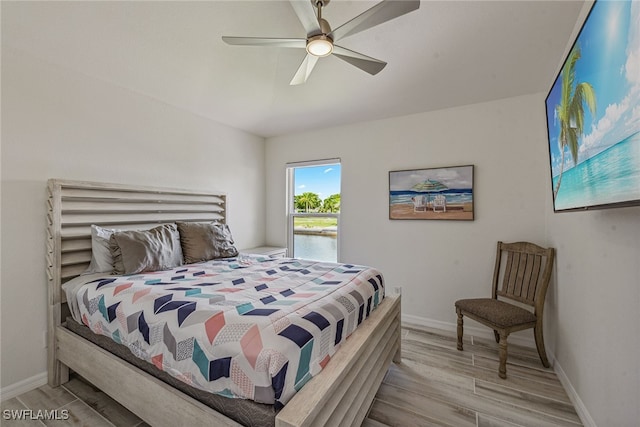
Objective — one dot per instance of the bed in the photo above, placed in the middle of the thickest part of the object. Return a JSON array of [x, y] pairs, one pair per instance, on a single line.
[[340, 394]]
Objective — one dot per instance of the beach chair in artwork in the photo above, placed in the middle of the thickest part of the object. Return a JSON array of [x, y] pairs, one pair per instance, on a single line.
[[439, 202], [419, 203]]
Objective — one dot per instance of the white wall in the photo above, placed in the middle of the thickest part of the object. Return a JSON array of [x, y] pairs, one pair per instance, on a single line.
[[597, 310], [592, 320], [60, 124], [436, 262], [595, 307]]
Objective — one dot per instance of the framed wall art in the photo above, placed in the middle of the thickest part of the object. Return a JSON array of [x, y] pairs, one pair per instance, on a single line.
[[593, 113], [433, 193]]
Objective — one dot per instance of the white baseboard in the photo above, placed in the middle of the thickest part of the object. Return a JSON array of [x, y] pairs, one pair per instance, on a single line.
[[581, 409], [482, 332], [23, 386]]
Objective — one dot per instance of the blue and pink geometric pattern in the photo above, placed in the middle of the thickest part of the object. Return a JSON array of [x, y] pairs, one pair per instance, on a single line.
[[258, 332]]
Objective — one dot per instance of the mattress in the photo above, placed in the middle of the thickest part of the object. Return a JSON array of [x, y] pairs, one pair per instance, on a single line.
[[252, 327], [244, 411]]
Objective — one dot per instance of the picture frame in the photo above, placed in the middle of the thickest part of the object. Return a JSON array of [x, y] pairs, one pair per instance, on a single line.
[[444, 193]]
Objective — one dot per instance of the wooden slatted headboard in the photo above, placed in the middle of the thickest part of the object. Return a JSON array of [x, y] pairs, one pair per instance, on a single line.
[[72, 206]]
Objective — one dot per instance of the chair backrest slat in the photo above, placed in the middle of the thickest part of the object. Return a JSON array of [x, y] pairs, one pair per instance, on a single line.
[[522, 268], [520, 275], [527, 275], [509, 272], [535, 273]]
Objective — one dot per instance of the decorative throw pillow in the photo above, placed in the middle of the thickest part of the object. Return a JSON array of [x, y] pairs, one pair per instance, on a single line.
[[203, 241], [101, 258], [149, 250]]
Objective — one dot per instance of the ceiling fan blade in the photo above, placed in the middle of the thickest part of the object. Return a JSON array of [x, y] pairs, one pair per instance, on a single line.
[[304, 70], [307, 16], [265, 41], [365, 63], [382, 12]]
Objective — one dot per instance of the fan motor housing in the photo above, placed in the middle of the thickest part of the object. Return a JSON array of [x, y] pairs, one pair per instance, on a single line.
[[324, 26]]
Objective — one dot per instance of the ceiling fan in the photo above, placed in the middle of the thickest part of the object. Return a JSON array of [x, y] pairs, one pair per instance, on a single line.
[[320, 41]]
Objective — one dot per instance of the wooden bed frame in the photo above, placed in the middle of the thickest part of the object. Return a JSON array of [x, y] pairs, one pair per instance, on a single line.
[[340, 395]]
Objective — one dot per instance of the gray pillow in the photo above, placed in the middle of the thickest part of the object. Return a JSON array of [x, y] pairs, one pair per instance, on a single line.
[[150, 250], [101, 258], [203, 241]]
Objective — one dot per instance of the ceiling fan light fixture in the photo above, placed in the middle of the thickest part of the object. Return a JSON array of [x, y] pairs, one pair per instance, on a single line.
[[320, 37], [320, 46]]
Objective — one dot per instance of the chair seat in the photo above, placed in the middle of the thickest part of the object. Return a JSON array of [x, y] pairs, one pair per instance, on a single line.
[[500, 313]]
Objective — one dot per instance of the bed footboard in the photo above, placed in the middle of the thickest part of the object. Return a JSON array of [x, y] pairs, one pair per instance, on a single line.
[[339, 396], [343, 392], [151, 399]]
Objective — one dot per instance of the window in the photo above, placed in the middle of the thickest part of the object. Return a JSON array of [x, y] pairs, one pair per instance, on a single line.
[[313, 209]]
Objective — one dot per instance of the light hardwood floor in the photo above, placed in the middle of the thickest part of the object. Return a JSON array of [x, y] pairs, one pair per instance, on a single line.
[[435, 385]]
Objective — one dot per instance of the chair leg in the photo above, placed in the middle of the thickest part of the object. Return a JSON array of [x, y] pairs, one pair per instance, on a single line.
[[497, 335], [502, 370], [537, 331], [460, 329]]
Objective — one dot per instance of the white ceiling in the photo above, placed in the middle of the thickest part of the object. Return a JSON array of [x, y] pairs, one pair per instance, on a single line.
[[445, 54]]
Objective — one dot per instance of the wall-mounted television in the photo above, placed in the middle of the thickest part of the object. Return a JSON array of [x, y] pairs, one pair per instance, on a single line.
[[593, 113]]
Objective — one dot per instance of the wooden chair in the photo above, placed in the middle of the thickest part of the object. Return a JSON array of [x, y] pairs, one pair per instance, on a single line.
[[524, 269]]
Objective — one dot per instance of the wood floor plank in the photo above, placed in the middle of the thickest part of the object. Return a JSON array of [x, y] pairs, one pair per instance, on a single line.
[[443, 334], [46, 397], [488, 358], [394, 416], [434, 350], [423, 392], [518, 355], [409, 374], [368, 422], [485, 374], [432, 337], [101, 403], [523, 399], [434, 369], [524, 379], [16, 416], [80, 415], [438, 411], [534, 373], [449, 365], [487, 421], [488, 352]]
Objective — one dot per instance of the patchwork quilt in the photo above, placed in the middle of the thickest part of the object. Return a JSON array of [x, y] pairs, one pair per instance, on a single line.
[[255, 328]]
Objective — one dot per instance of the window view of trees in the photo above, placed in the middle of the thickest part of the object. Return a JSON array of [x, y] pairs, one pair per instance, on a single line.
[[314, 211], [331, 204], [310, 202]]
